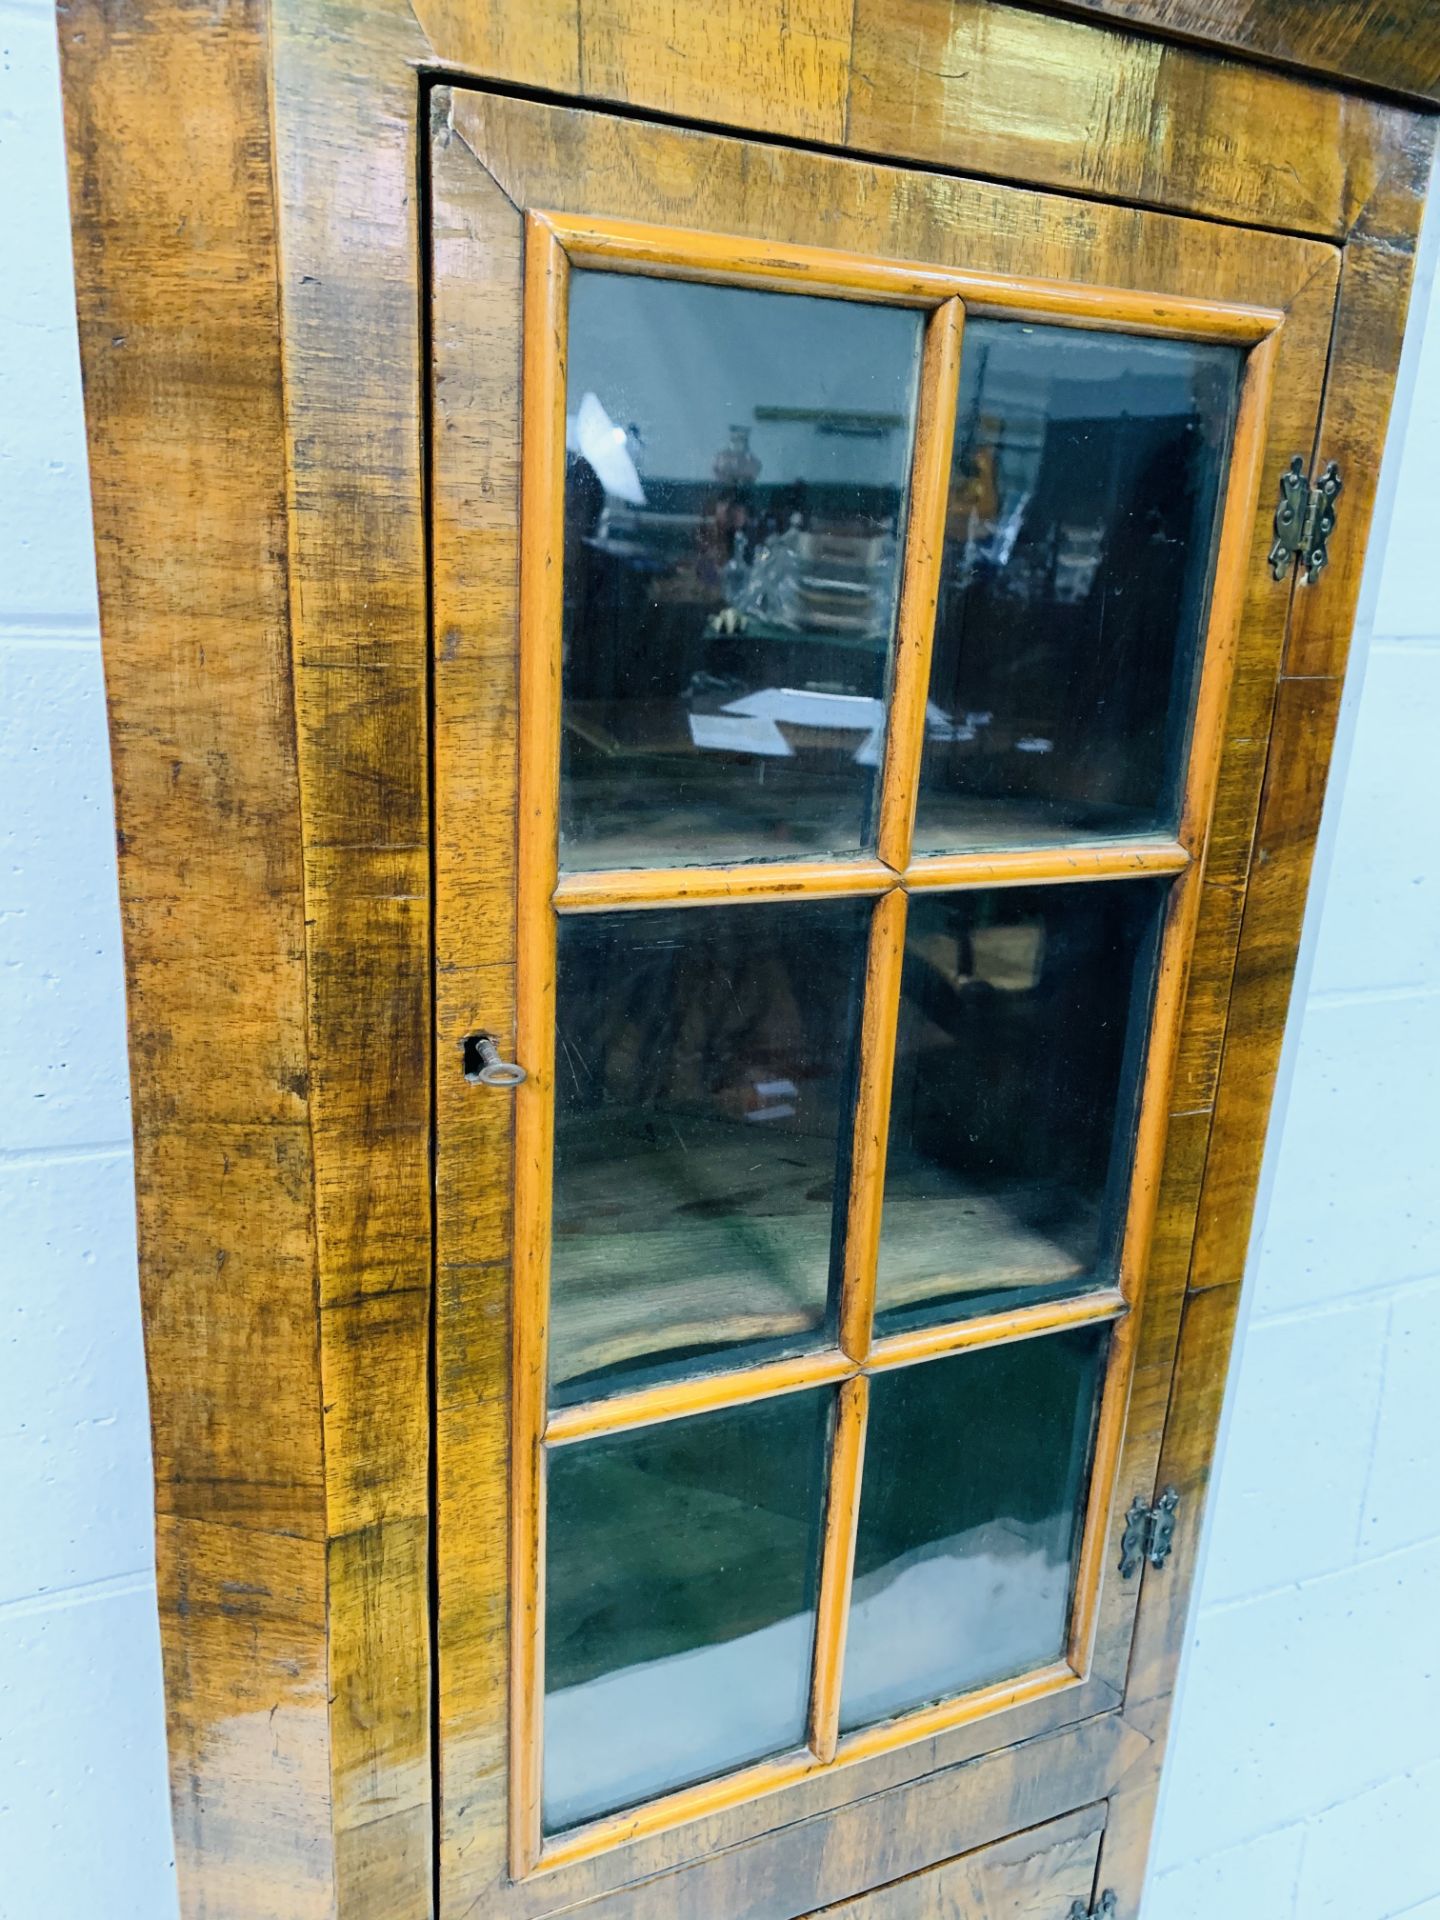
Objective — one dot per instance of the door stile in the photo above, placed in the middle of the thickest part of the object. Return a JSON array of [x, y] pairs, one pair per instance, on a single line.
[[1237, 520]]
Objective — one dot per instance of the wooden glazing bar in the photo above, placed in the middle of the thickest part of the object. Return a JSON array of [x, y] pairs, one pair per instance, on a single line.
[[920, 580], [542, 558], [837, 1566], [994, 1329], [1104, 1468], [676, 1399], [1038, 866], [884, 967], [616, 889], [637, 246]]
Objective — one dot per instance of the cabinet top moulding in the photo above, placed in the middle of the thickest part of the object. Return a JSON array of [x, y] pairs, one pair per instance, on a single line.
[[1367, 42]]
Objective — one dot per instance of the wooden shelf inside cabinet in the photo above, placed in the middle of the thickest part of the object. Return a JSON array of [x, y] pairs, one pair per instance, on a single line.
[[633, 558]]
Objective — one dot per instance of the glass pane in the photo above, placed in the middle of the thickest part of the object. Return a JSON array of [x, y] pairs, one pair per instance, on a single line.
[[734, 497], [703, 1069], [682, 1563], [1084, 505], [1022, 1022], [971, 1506]]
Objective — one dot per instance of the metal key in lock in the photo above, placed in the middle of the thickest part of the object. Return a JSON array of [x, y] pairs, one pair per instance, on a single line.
[[484, 1065]]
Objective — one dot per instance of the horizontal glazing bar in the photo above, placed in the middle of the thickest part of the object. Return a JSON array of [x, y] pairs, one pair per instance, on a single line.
[[616, 891], [676, 1398], [994, 1329], [1034, 866], [610, 891]]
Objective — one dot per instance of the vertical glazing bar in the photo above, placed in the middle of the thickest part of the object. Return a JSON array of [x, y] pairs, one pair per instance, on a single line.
[[883, 967], [920, 580], [1237, 539], [837, 1565], [541, 571]]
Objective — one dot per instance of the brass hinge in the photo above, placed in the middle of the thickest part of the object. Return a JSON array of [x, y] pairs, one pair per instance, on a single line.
[[1108, 1908], [1304, 520], [1149, 1532]]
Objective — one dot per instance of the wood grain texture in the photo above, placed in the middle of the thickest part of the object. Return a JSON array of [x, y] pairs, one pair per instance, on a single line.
[[353, 394], [249, 269], [833, 1856], [478, 263], [1077, 105], [1030, 1876], [1392, 44], [168, 132], [1026, 95], [725, 62], [1374, 296]]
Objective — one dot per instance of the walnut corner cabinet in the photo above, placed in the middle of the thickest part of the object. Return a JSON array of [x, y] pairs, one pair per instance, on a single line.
[[723, 628]]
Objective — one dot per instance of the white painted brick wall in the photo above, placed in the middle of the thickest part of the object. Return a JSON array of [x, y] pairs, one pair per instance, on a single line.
[[1305, 1777], [84, 1818]]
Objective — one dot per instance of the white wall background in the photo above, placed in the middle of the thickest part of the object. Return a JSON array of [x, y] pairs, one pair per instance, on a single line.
[[1305, 1774]]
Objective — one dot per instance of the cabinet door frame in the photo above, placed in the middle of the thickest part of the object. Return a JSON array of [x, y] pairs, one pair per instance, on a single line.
[[518, 188]]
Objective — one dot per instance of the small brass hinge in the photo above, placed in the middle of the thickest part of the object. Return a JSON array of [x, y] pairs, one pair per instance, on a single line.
[[1149, 1532], [1108, 1909], [1304, 520]]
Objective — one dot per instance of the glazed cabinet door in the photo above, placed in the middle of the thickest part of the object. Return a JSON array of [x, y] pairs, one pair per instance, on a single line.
[[853, 647]]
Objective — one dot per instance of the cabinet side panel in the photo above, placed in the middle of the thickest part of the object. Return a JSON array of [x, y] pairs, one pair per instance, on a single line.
[[1369, 324], [175, 264]]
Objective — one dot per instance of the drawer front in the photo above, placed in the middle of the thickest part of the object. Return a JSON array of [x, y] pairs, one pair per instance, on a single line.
[[1037, 1875]]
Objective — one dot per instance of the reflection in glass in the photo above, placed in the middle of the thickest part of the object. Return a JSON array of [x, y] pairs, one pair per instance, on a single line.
[[681, 1567], [703, 1068], [1084, 506], [734, 500], [971, 1507], [1019, 1048]]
